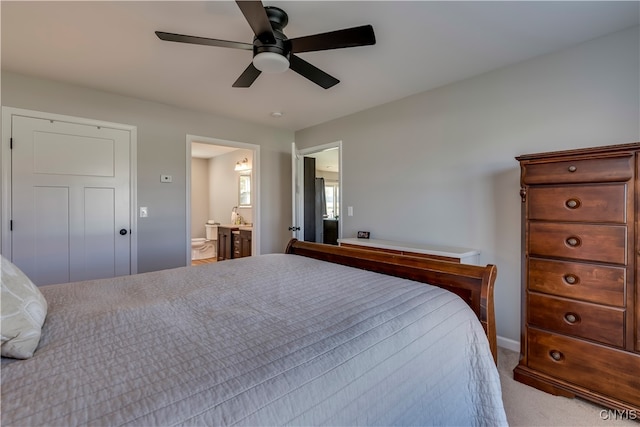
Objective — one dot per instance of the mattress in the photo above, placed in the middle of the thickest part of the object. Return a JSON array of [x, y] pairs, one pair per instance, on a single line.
[[266, 340]]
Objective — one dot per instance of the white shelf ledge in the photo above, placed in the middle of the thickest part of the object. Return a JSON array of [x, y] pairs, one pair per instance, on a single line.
[[464, 255]]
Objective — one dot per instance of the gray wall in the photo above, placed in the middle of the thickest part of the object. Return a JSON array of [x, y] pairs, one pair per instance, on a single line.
[[162, 130], [439, 167]]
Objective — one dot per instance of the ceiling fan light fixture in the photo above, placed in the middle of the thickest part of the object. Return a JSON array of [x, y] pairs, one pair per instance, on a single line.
[[270, 62]]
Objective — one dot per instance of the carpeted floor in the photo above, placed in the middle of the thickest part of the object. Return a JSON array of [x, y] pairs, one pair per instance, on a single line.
[[527, 406]]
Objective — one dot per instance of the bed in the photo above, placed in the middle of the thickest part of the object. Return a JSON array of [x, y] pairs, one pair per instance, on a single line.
[[318, 335]]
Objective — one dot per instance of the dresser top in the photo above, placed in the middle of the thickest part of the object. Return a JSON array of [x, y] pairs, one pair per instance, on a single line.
[[634, 146], [428, 249]]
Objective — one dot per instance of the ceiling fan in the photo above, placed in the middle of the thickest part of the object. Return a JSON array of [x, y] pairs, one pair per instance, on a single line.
[[273, 52]]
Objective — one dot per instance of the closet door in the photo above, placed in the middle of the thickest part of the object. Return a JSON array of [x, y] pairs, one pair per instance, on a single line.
[[70, 200]]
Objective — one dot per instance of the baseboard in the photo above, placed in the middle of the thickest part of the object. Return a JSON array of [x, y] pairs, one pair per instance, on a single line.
[[509, 344]]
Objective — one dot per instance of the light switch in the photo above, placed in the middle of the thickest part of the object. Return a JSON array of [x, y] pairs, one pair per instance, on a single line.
[[144, 212], [166, 178], [349, 210]]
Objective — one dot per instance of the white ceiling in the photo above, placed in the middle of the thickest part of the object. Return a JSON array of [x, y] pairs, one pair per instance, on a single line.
[[327, 160], [421, 45], [202, 150]]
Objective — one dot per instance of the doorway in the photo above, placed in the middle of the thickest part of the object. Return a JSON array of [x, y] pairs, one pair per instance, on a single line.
[[222, 181], [317, 193]]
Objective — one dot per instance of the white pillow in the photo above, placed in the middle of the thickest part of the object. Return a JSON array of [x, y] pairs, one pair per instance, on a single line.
[[22, 312]]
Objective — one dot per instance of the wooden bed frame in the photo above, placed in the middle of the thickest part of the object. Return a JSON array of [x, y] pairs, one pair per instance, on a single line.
[[474, 284]]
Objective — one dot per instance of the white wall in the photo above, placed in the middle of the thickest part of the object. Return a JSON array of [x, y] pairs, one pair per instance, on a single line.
[[199, 196], [162, 130], [214, 190], [439, 167], [224, 186], [328, 176]]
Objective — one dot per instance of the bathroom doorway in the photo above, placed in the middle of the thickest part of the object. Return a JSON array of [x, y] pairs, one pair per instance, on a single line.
[[222, 191]]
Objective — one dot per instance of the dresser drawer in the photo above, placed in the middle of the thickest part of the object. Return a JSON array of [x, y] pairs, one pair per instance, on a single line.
[[580, 319], [608, 169], [605, 243], [604, 370], [588, 282], [591, 203]]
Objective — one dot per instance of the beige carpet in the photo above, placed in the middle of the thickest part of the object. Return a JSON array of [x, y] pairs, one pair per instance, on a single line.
[[527, 406]]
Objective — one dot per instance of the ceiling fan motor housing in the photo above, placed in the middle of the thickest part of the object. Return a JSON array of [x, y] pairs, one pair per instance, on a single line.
[[278, 19]]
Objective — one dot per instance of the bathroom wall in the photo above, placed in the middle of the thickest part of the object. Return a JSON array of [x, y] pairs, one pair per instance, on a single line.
[[199, 196], [214, 190], [223, 186]]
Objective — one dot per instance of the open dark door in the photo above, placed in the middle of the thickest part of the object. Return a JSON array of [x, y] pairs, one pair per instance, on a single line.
[[313, 208]]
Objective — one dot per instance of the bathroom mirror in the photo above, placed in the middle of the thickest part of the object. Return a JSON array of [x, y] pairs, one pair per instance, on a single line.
[[244, 191]]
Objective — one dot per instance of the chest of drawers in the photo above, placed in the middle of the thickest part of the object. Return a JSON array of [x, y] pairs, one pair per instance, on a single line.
[[580, 298]]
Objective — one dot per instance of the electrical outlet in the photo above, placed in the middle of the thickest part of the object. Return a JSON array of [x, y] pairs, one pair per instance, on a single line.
[[144, 212], [166, 178]]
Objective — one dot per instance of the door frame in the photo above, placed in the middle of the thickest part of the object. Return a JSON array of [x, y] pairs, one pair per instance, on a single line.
[[255, 187], [5, 166], [297, 201]]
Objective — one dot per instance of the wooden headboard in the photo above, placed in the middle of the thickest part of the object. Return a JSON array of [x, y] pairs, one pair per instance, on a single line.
[[474, 284]]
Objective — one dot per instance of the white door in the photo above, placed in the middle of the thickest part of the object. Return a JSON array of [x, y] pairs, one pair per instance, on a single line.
[[70, 210], [297, 194]]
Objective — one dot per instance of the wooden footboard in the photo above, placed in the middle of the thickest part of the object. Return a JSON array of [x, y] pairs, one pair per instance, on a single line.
[[474, 284]]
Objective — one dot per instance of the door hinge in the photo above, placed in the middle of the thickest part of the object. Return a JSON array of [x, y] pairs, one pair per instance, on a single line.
[[10, 225], [10, 143]]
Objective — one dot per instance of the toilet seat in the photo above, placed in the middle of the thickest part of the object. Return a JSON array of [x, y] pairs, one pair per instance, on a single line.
[[198, 241]]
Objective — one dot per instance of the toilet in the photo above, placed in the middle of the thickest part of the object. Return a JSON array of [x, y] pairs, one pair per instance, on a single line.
[[203, 248]]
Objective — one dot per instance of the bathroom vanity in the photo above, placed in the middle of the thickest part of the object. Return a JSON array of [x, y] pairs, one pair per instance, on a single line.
[[234, 241], [242, 242]]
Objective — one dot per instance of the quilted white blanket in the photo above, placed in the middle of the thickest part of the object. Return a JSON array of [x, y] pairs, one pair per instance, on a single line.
[[267, 340]]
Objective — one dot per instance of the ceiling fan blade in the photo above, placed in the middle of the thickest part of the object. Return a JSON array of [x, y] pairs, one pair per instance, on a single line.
[[350, 37], [256, 16], [311, 72], [181, 38], [248, 76]]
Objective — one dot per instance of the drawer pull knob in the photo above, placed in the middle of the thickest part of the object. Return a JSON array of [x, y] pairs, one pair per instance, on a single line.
[[572, 168], [571, 318], [572, 204], [570, 279], [556, 355], [573, 241]]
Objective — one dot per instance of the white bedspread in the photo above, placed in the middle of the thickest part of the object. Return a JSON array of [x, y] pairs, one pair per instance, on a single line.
[[267, 340]]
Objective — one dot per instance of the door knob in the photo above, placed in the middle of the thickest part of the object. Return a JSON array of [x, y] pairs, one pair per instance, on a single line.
[[123, 231]]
